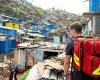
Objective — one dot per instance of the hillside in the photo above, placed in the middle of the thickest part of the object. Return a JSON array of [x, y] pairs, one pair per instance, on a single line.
[[62, 17], [19, 10], [26, 11]]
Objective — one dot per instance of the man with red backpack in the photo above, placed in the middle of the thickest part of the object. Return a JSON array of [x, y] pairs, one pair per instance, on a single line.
[[85, 53]]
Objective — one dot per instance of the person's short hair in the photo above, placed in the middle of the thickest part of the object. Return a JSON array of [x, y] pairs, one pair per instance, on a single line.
[[77, 26]]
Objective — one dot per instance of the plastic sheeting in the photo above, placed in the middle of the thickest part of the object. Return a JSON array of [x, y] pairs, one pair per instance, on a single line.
[[38, 55], [20, 57], [56, 39], [39, 72], [24, 57], [94, 5], [23, 44], [7, 31], [34, 73], [7, 46], [35, 35]]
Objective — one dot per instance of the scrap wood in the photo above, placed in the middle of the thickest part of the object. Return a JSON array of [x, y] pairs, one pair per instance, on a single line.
[[52, 64], [48, 67]]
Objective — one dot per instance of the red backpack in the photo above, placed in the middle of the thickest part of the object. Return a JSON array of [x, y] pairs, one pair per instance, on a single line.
[[87, 55]]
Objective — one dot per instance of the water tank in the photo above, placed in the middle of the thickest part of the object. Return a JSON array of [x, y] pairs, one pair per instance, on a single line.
[[94, 6]]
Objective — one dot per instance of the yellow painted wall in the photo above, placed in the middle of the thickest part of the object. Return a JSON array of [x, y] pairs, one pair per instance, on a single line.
[[12, 25]]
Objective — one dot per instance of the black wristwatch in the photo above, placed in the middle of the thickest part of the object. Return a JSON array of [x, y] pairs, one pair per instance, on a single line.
[[65, 75]]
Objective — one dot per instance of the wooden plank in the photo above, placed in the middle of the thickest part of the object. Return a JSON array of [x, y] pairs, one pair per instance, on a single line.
[[51, 50], [87, 14]]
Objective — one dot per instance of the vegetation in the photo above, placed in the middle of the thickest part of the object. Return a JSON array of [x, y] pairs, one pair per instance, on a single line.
[[19, 10]]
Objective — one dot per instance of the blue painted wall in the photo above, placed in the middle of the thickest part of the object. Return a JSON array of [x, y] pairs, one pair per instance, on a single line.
[[94, 5]]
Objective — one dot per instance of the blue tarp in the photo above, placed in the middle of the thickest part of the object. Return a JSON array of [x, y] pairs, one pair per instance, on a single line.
[[46, 23], [43, 31], [14, 20], [13, 44], [94, 5], [7, 32], [7, 46], [32, 30], [11, 19], [36, 27], [49, 25]]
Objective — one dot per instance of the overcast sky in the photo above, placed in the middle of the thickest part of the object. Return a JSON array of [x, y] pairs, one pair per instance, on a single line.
[[73, 6]]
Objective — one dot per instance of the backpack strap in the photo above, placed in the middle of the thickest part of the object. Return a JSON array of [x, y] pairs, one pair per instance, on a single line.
[[81, 51], [82, 54], [79, 37]]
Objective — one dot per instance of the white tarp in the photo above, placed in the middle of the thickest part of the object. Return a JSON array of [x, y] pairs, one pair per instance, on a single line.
[[26, 38], [20, 32], [35, 35], [61, 55], [36, 72], [23, 44]]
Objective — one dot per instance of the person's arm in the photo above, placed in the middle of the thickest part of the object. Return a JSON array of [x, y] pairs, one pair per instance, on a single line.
[[69, 53], [67, 63]]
